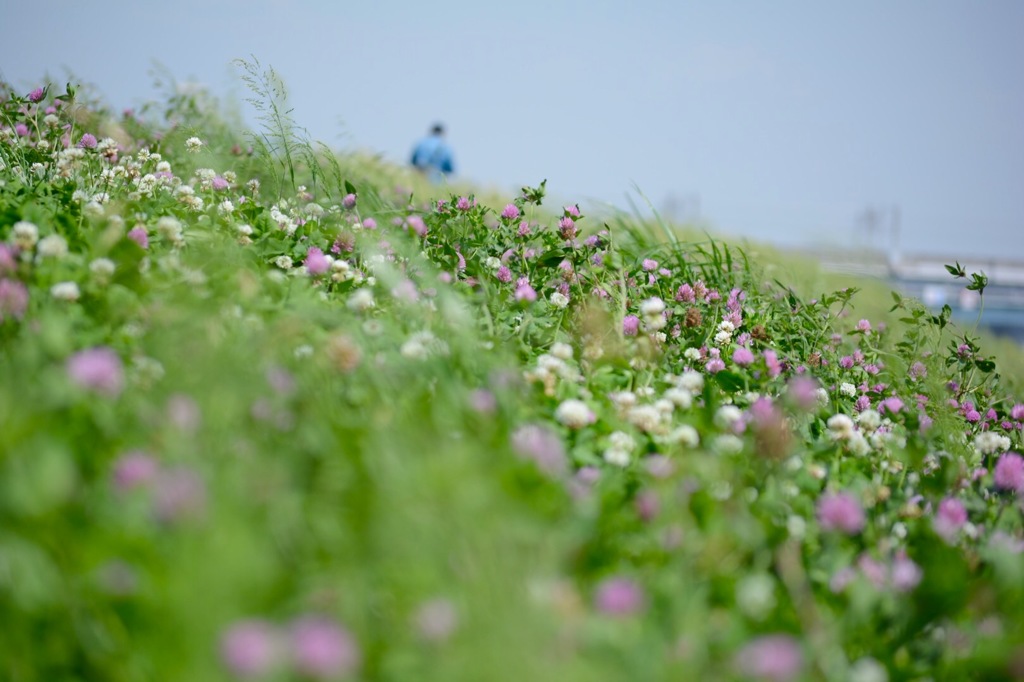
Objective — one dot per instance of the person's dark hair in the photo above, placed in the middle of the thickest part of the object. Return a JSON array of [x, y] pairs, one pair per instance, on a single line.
[[438, 129]]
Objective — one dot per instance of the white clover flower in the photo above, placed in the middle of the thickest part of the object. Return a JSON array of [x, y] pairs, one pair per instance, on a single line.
[[684, 435], [314, 209], [102, 269], [620, 449], [841, 426], [869, 420], [283, 262], [821, 397], [421, 345], [755, 595], [666, 407], [225, 206], [575, 414], [170, 229], [720, 490], [655, 322], [163, 167], [858, 444], [414, 349], [726, 326], [51, 121], [796, 526], [616, 457], [623, 399], [52, 246], [205, 174], [65, 291], [868, 669], [492, 263], [691, 381], [847, 389], [727, 416], [93, 209], [621, 440], [692, 354], [652, 307], [549, 364], [376, 262], [244, 230], [562, 351], [727, 444], [303, 351], [360, 300], [193, 144], [644, 417], [680, 397], [722, 338], [193, 202], [26, 235], [558, 299], [989, 442]]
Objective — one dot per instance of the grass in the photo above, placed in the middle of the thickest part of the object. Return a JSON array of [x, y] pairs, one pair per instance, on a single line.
[[343, 424]]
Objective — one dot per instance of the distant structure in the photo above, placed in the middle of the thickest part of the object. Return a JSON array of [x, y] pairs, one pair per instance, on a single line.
[[432, 156], [924, 276]]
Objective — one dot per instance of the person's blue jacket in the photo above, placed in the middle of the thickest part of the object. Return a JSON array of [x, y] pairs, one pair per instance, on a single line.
[[433, 156]]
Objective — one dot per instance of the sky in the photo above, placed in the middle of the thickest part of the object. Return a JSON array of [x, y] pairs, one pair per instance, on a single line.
[[784, 121]]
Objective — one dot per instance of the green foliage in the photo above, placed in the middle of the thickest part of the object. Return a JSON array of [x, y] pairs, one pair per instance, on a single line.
[[247, 396]]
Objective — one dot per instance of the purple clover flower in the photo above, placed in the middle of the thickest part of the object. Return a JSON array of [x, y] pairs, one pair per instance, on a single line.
[[743, 356], [1008, 473], [619, 597], [542, 446], [316, 262], [13, 299], [777, 658], [249, 648], [97, 369], [139, 235], [134, 469], [842, 512], [510, 212], [322, 649]]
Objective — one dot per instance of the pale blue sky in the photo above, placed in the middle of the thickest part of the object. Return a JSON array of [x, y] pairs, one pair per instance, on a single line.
[[785, 118]]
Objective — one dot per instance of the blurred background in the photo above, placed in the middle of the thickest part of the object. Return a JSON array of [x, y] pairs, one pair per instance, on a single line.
[[893, 128]]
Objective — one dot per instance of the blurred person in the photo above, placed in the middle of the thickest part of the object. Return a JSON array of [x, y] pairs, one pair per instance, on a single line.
[[432, 156]]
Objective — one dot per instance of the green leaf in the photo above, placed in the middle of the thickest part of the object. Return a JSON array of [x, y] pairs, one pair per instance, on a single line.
[[985, 365], [552, 258], [730, 381], [350, 188]]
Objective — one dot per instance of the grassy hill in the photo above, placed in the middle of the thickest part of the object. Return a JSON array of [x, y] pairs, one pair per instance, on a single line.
[[271, 412]]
